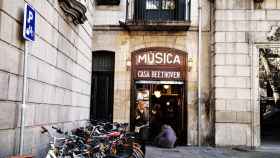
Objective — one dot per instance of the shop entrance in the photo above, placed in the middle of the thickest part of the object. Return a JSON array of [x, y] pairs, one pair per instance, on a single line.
[[158, 94], [158, 103]]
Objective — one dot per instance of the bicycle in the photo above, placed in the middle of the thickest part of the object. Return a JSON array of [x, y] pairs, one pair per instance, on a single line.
[[102, 140], [53, 149]]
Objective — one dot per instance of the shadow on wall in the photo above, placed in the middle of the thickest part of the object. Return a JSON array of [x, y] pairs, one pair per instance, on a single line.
[[208, 119]]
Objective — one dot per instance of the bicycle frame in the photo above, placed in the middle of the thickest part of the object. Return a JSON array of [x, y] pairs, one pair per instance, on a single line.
[[52, 153]]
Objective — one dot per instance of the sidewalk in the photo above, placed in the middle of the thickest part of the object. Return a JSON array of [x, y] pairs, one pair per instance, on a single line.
[[208, 152]]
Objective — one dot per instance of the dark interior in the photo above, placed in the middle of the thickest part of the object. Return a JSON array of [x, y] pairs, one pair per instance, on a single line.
[[166, 109], [102, 90], [270, 119], [270, 129]]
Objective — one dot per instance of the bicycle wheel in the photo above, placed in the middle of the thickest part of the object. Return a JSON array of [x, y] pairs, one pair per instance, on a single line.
[[111, 156], [138, 153], [98, 155], [51, 154]]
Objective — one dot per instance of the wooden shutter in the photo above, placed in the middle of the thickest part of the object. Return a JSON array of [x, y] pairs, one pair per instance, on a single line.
[[181, 9], [139, 8]]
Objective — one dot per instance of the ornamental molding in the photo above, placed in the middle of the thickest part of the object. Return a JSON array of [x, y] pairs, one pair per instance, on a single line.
[[274, 34], [74, 9]]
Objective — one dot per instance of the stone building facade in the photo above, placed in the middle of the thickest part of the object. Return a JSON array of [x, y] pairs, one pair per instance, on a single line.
[[60, 80], [59, 73], [232, 33], [108, 35], [241, 29]]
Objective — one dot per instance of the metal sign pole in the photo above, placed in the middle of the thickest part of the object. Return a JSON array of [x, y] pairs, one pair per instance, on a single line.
[[29, 35], [24, 90]]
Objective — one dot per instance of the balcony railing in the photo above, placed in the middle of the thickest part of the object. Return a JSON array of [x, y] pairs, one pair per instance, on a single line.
[[157, 15]]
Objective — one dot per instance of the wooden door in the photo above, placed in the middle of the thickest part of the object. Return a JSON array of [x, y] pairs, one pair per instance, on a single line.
[[102, 86]]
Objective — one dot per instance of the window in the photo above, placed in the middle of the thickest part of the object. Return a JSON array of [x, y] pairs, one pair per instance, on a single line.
[[160, 4], [152, 4], [160, 10], [168, 4]]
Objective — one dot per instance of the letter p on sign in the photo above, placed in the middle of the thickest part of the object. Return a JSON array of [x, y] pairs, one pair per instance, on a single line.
[[30, 16], [29, 23]]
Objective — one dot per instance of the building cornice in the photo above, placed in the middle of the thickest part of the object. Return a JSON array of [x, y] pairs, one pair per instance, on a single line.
[[119, 28]]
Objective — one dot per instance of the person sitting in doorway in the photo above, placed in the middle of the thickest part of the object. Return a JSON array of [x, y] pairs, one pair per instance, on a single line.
[[155, 120], [142, 114], [142, 118], [166, 138]]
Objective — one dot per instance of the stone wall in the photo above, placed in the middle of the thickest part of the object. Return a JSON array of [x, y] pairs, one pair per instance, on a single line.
[[239, 29], [59, 73]]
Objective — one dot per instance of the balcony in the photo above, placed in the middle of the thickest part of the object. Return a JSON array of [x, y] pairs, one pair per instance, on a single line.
[[157, 15]]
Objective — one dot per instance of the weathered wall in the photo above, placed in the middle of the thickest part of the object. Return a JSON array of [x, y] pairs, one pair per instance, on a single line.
[[109, 36], [124, 43], [109, 15], [239, 29], [59, 73]]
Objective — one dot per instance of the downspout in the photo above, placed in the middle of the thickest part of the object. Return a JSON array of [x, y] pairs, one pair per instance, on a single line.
[[252, 103], [199, 68]]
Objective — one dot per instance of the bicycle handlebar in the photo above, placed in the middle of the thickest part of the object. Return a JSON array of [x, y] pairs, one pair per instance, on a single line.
[[44, 130], [58, 130]]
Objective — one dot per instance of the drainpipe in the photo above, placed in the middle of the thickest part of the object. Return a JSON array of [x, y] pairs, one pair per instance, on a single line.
[[199, 68]]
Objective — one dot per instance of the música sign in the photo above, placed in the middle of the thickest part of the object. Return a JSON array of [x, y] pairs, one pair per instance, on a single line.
[[159, 63]]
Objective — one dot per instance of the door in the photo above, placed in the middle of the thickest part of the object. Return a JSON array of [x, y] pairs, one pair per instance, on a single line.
[[102, 86], [156, 104]]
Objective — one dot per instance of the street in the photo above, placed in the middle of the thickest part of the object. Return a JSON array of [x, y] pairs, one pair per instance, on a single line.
[[209, 152]]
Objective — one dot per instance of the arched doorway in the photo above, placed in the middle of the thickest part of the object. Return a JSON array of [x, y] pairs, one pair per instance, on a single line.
[[159, 81], [102, 88]]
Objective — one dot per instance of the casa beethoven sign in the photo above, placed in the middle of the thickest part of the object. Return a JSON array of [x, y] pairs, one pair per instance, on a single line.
[[159, 64]]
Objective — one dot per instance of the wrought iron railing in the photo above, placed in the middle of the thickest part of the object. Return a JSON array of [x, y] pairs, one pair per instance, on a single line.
[[157, 10]]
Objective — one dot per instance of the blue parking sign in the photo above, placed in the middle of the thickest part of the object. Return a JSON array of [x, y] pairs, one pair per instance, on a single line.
[[29, 23]]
